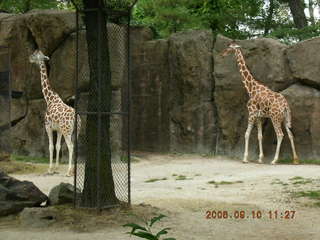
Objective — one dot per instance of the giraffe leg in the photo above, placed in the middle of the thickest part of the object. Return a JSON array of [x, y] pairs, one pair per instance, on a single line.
[[247, 137], [70, 148], [58, 147], [295, 156], [261, 155], [278, 130], [50, 136]]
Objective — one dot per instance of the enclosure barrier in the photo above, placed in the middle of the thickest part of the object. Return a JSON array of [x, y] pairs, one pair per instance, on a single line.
[[102, 149]]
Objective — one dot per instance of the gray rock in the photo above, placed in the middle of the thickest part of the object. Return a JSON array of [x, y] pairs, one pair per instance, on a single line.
[[191, 107], [29, 136], [61, 194], [305, 105], [38, 217], [150, 93], [302, 60], [15, 195]]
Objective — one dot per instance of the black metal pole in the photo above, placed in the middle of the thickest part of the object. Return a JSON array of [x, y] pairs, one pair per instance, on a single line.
[[76, 112], [99, 112], [129, 108]]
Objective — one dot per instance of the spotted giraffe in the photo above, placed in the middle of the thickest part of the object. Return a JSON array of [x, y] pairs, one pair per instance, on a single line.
[[263, 103], [59, 117]]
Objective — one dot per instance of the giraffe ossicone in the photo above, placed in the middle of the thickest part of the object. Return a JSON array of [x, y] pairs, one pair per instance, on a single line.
[[263, 103], [59, 116]]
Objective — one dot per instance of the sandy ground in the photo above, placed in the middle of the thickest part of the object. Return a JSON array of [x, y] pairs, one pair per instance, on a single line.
[[254, 187]]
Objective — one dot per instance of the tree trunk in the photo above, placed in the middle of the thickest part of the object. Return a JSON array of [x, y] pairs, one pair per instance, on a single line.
[[98, 184], [297, 11], [311, 11], [268, 22]]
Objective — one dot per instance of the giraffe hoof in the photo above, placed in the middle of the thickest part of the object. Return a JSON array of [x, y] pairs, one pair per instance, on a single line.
[[260, 161], [273, 163], [245, 161], [295, 161], [70, 173]]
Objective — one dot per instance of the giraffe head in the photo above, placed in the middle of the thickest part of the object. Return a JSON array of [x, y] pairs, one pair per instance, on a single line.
[[38, 57], [231, 47]]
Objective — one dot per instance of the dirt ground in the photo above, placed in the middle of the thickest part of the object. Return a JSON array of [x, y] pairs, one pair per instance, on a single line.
[[185, 188]]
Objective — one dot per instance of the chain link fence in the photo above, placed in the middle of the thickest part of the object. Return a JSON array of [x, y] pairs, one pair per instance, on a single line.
[[102, 149]]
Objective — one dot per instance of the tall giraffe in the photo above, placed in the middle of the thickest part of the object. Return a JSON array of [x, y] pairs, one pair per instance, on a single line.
[[263, 103], [59, 117]]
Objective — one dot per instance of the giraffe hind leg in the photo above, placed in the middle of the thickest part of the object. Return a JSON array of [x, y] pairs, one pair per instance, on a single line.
[[247, 137], [261, 155], [294, 153], [58, 147], [50, 136], [278, 130], [68, 139]]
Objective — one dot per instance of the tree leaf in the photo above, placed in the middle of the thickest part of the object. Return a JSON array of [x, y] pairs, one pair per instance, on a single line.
[[162, 232], [156, 219], [145, 235], [135, 227]]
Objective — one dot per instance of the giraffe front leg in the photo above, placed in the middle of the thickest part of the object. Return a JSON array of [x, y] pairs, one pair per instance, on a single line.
[[261, 155], [279, 133], [49, 132], [58, 147], [70, 149], [247, 137]]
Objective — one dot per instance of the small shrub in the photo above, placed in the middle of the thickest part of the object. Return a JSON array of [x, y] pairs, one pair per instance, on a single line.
[[146, 231]]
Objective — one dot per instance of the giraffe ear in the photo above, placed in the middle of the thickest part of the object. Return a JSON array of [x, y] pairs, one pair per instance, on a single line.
[[46, 58]]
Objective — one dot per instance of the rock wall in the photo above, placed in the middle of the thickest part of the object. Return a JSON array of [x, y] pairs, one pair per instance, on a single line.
[[185, 96]]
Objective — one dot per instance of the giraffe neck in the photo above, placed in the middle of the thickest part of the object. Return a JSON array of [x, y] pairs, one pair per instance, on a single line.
[[247, 77], [47, 91]]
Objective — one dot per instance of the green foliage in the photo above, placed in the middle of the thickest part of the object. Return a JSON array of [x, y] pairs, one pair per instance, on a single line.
[[22, 6], [288, 34], [155, 180], [165, 16], [302, 161], [21, 158], [145, 231], [233, 18], [309, 194]]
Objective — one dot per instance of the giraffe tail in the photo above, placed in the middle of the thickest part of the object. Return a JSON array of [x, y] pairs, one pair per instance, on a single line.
[[288, 121]]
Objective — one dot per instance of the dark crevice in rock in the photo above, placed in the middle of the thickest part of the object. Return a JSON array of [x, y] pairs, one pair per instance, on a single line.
[[62, 41], [309, 83], [32, 40], [19, 119]]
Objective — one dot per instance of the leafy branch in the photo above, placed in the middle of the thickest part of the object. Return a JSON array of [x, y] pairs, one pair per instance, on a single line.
[[146, 231]]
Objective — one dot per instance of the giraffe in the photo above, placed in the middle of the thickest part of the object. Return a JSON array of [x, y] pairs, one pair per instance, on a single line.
[[263, 103], [59, 117]]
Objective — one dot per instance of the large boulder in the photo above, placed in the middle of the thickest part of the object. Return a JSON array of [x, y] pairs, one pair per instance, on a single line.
[[39, 217], [150, 110], [266, 60], [302, 58], [15, 195], [61, 194], [49, 28], [192, 117], [305, 106], [29, 137]]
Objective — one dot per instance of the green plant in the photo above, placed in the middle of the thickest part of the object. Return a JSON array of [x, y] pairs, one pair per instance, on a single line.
[[145, 231], [300, 180], [224, 182], [155, 180], [21, 158], [182, 177]]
